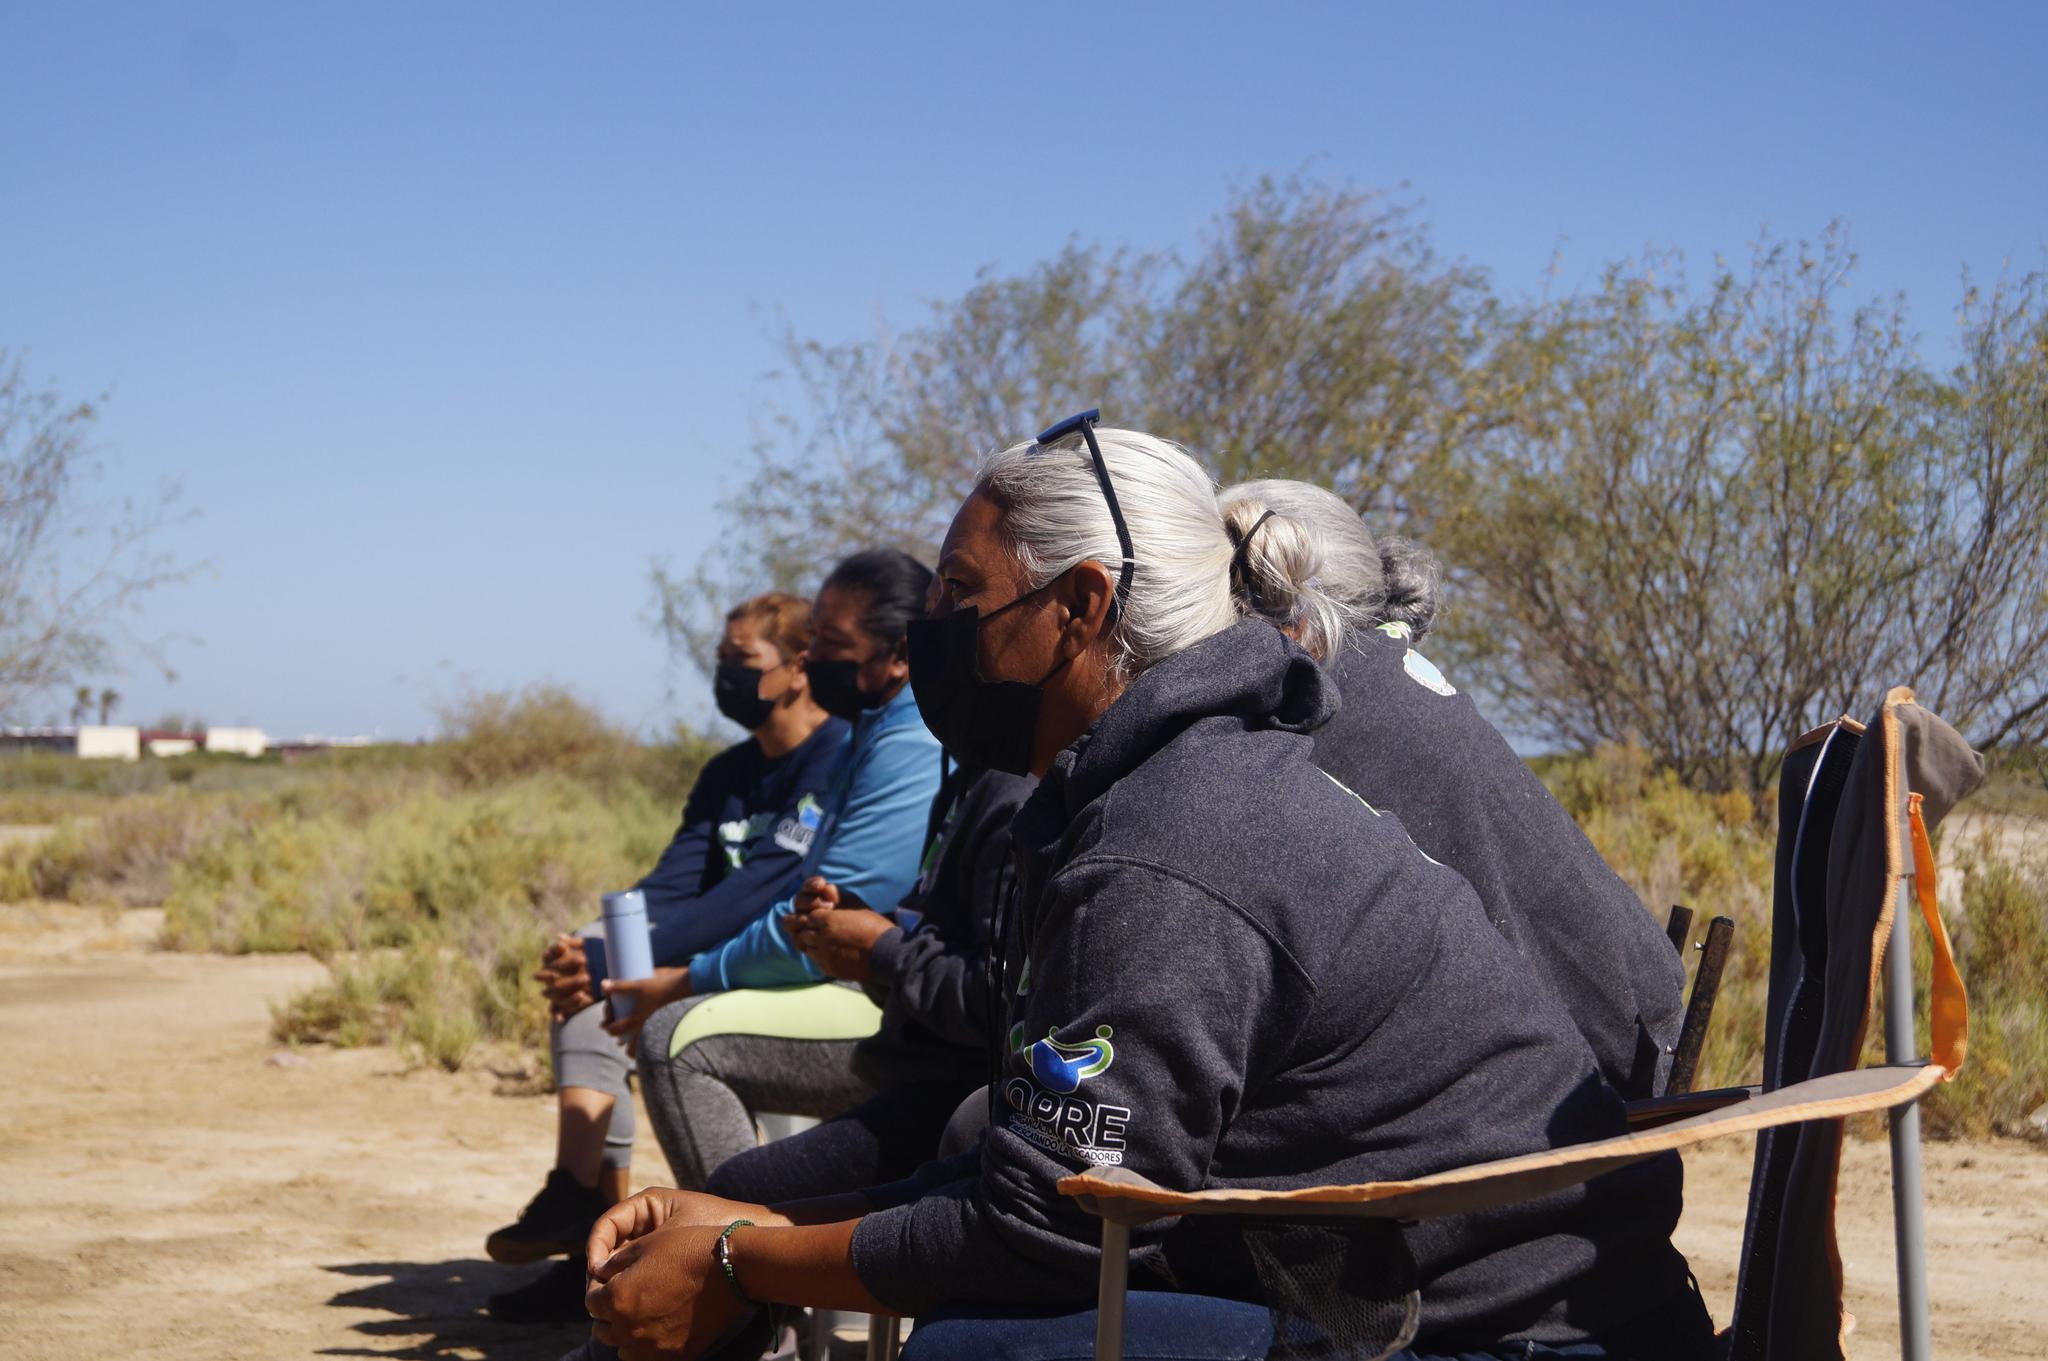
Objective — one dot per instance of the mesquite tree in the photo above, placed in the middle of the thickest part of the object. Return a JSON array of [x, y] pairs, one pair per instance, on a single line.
[[1700, 516]]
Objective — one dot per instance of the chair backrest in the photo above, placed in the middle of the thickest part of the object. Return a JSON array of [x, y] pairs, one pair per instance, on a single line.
[[1844, 809], [1706, 988]]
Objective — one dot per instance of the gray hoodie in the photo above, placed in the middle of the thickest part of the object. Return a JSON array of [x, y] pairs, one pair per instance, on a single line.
[[1231, 971], [929, 974], [1405, 740]]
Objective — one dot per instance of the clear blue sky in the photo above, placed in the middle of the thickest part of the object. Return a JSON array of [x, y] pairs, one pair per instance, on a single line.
[[451, 317]]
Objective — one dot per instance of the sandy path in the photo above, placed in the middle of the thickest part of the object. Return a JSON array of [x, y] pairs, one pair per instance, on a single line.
[[170, 1192]]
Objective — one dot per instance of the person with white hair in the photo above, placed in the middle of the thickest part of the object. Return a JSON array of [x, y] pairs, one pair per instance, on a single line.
[[1408, 741], [1220, 967]]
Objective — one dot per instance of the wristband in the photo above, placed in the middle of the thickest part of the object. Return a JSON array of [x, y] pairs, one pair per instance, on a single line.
[[721, 1252]]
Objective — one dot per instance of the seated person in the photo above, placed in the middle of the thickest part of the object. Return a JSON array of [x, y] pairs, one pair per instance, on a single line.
[[738, 850], [1405, 740], [752, 1025], [1222, 968], [927, 971]]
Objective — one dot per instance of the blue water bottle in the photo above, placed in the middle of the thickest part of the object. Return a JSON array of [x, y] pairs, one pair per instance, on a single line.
[[629, 953]]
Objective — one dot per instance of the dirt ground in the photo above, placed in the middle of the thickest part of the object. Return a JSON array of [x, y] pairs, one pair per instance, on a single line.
[[175, 1187]]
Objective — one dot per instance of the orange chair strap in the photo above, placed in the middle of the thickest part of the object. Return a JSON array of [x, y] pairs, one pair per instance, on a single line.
[[1948, 1006]]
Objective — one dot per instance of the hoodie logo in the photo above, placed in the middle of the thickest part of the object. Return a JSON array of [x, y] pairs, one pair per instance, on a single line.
[[1064, 1067], [1045, 1111], [1424, 673]]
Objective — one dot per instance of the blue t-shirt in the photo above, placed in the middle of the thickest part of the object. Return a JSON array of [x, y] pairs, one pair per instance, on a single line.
[[870, 837]]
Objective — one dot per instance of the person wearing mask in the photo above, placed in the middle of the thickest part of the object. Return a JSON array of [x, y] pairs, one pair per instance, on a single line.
[[1408, 741], [739, 847], [1222, 967], [752, 1025]]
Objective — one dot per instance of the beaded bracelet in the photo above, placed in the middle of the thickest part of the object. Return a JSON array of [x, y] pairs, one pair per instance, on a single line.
[[721, 1252]]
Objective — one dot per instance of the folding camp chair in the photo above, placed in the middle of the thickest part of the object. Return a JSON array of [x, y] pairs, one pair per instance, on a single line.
[[1699, 1007], [1856, 806]]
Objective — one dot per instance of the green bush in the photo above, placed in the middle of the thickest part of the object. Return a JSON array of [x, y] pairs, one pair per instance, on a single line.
[[428, 876]]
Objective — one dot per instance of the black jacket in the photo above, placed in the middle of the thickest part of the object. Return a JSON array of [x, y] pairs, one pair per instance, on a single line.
[[1235, 972], [930, 979], [1405, 741]]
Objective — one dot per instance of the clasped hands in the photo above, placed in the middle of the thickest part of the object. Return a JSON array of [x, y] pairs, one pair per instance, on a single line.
[[655, 1290], [835, 929]]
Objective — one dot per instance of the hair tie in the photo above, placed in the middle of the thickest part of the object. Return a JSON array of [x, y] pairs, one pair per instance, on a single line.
[[1240, 558]]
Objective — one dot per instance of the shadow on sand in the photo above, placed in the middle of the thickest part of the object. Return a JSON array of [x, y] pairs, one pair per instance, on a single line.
[[437, 1311]]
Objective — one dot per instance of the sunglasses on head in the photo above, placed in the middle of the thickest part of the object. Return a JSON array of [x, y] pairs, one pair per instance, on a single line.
[[1084, 425]]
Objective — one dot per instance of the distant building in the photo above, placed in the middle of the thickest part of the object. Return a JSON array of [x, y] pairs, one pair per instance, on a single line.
[[103, 742], [237, 741], [16, 741], [169, 743], [117, 742]]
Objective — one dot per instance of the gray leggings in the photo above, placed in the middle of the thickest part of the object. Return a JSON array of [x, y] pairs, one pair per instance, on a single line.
[[709, 1065], [585, 1056]]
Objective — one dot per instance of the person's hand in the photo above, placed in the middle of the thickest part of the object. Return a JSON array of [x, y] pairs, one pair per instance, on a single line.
[[815, 895], [841, 943], [564, 975], [665, 985], [664, 1207], [662, 1294]]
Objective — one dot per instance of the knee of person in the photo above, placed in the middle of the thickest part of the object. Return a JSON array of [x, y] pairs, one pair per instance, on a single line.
[[726, 1182], [967, 1125], [652, 1050]]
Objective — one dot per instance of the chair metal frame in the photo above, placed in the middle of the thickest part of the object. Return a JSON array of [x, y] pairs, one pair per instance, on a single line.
[[1122, 1199]]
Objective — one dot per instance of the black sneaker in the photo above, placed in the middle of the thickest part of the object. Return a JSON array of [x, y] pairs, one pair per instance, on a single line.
[[554, 1296], [555, 1223]]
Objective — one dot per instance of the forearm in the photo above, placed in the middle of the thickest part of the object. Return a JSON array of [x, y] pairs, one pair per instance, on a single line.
[[761, 956], [804, 1265]]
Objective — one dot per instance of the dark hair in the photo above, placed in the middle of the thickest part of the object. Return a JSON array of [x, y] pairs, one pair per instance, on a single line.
[[1413, 575], [894, 585]]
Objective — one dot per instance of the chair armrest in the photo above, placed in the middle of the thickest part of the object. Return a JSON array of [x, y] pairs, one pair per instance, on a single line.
[[1126, 1197]]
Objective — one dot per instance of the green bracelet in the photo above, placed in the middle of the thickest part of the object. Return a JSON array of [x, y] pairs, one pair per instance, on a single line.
[[721, 1252]]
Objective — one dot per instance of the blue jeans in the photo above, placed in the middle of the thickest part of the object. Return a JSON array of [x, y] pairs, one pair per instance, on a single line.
[[1158, 1326]]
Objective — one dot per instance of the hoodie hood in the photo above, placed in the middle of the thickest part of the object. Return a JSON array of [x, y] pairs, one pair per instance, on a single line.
[[1250, 672]]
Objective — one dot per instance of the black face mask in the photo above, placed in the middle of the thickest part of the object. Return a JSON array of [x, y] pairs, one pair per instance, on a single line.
[[835, 685], [979, 722], [736, 690]]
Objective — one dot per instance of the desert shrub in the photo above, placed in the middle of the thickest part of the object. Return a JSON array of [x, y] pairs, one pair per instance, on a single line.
[[428, 876], [544, 844], [361, 1003], [129, 851], [431, 907], [276, 882], [492, 737]]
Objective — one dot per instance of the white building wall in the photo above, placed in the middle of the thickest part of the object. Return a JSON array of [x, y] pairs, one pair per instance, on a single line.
[[110, 743], [241, 741], [173, 746]]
